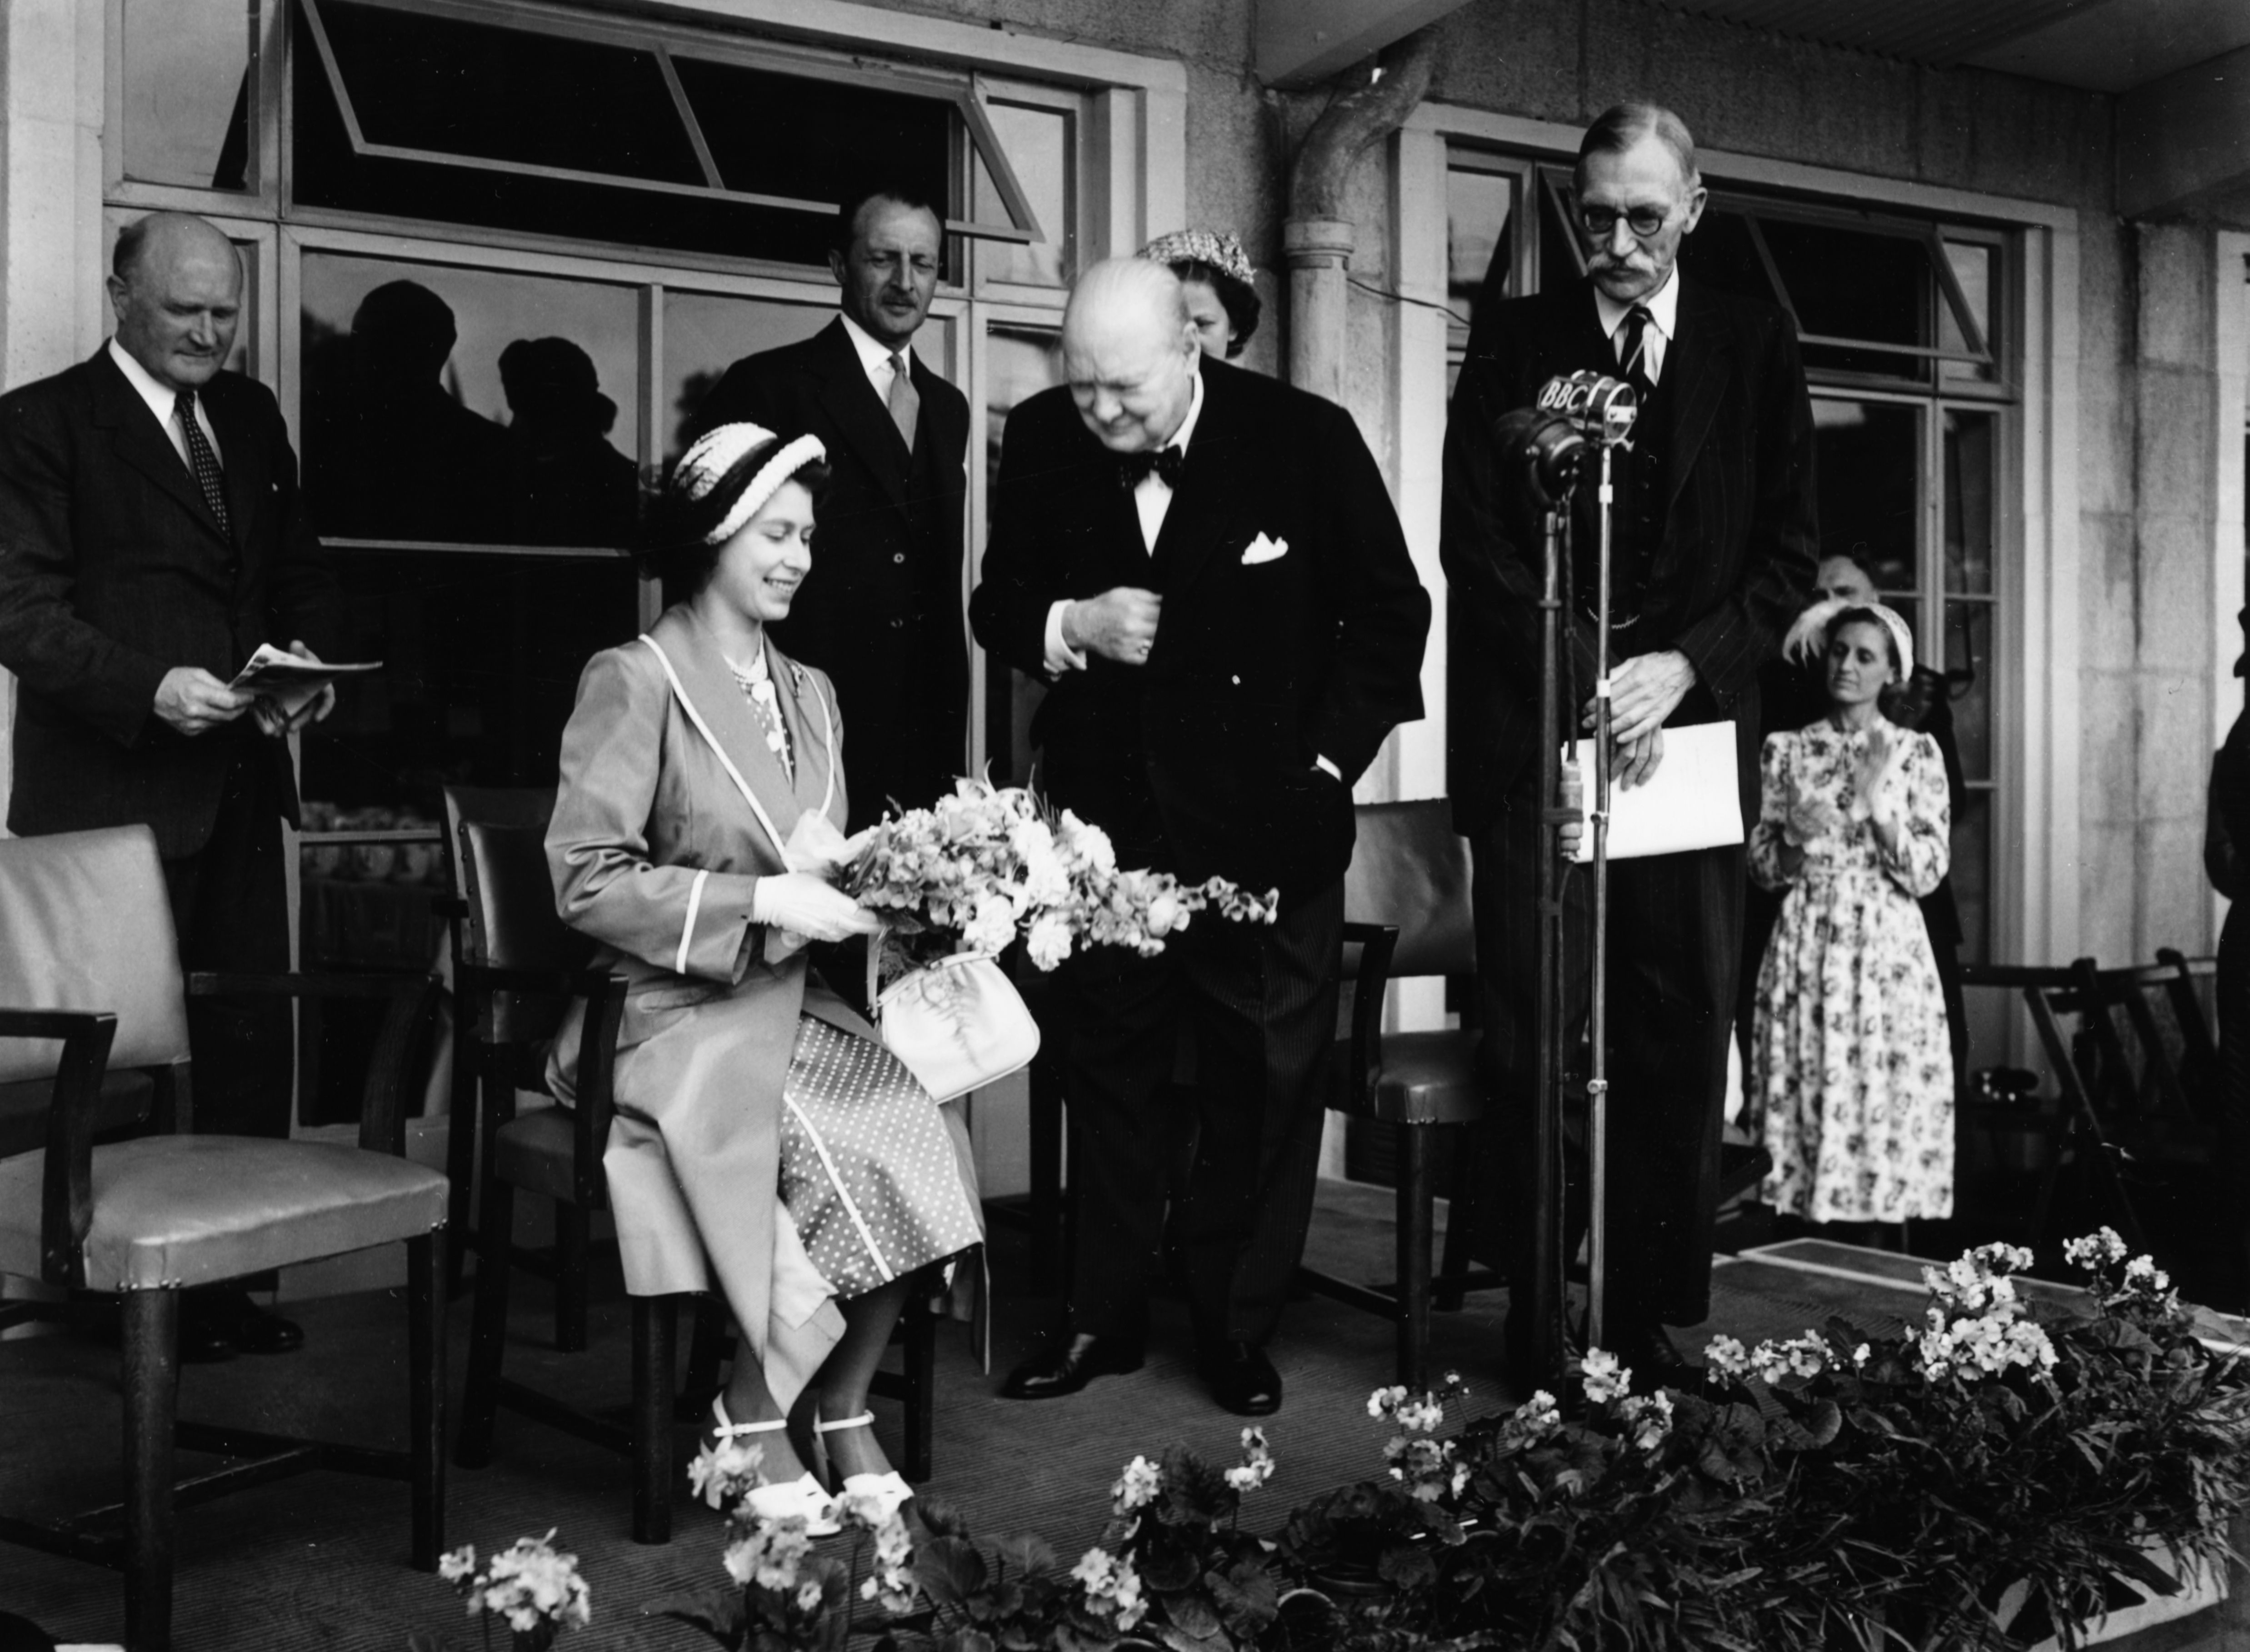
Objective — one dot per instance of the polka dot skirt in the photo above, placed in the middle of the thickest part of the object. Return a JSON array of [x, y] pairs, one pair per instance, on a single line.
[[868, 1169]]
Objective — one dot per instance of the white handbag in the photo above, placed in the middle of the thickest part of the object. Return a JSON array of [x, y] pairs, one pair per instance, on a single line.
[[957, 1025]]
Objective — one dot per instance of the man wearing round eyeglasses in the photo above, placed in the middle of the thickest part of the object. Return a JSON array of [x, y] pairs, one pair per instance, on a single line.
[[1713, 547]]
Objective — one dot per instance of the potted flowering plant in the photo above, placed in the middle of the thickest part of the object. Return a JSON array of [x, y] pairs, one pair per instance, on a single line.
[[782, 1594], [530, 1586]]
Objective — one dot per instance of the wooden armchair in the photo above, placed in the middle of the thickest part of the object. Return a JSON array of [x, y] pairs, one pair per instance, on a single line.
[[90, 979]]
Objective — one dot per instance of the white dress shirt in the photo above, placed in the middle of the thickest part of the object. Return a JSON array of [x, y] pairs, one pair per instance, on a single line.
[[161, 399], [1664, 324], [875, 357]]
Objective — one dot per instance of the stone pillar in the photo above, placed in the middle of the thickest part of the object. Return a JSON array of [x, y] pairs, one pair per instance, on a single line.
[[1318, 252]]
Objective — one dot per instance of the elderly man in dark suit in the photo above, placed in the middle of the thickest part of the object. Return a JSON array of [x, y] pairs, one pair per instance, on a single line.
[[881, 614], [1207, 568], [151, 538], [1713, 549]]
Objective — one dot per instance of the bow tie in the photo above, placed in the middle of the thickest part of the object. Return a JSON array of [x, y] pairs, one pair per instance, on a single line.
[[1165, 464]]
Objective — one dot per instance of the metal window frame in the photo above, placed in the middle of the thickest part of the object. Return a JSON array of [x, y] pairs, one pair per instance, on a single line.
[[660, 41]]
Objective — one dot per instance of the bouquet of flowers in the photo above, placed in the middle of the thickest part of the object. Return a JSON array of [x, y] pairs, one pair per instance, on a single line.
[[991, 863]]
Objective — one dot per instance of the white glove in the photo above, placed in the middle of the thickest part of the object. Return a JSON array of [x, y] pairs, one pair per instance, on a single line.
[[805, 905]]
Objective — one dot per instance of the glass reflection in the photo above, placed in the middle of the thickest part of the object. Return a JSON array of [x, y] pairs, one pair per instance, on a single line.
[[1969, 663], [429, 416], [1868, 456], [1972, 267], [707, 333], [1969, 526], [480, 661], [186, 65], [1038, 144], [1480, 220]]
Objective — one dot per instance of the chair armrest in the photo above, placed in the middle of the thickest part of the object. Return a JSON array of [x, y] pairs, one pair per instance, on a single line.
[[1378, 942], [488, 977], [67, 1182], [413, 1003]]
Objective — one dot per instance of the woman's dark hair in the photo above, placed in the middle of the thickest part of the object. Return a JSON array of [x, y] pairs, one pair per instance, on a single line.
[[1236, 297], [676, 553], [1868, 617]]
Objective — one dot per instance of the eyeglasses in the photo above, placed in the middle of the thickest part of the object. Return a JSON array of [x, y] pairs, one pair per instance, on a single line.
[[1643, 221]]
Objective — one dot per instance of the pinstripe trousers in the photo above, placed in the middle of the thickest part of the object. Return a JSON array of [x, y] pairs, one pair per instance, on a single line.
[[1676, 940], [1258, 1004]]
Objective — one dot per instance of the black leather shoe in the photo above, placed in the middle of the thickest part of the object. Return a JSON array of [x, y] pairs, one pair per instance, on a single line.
[[1068, 1364], [251, 1329], [1242, 1379], [1649, 1354]]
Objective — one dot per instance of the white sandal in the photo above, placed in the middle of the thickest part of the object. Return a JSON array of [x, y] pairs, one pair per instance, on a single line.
[[888, 1488], [803, 1498]]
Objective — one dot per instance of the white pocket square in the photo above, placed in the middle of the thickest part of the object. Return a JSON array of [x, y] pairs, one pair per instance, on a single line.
[[1263, 550]]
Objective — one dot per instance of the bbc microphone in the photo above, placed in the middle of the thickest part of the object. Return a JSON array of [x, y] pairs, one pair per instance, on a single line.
[[1548, 445], [1600, 408]]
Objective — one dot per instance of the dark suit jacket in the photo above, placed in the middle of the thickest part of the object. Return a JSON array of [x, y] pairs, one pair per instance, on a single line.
[[113, 571], [1735, 554], [1205, 752], [880, 613]]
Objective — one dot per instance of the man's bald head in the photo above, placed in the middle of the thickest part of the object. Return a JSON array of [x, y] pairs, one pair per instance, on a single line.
[[1130, 354], [176, 285]]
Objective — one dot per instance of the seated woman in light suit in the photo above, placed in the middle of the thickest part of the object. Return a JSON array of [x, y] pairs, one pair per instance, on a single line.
[[762, 1135]]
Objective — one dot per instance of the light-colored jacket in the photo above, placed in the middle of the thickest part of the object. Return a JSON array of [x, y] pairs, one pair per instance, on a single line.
[[671, 807]]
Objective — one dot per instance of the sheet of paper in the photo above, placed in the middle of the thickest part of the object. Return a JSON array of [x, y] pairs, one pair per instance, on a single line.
[[288, 680], [1694, 801]]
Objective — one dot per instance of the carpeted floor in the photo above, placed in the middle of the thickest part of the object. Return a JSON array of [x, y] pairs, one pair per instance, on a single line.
[[320, 1561]]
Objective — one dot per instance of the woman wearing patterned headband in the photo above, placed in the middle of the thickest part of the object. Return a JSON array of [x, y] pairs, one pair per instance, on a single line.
[[1216, 272], [762, 1135], [1849, 1054]]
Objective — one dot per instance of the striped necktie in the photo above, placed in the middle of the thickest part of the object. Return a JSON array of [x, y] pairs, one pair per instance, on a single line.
[[1632, 351], [201, 460]]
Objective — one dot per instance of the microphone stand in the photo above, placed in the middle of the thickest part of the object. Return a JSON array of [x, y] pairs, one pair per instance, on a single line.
[[1548, 1288], [1597, 1082]]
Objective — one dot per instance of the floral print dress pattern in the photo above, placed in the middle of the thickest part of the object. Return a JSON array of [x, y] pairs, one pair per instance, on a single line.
[[1849, 1057]]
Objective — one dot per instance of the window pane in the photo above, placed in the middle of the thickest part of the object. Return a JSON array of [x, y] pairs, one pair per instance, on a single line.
[[473, 407], [1038, 142], [811, 140], [465, 88], [326, 172], [1558, 259], [1868, 457], [480, 661], [186, 67], [1479, 241], [1848, 284], [1968, 666], [1968, 502], [707, 333], [1973, 876], [1019, 363], [1971, 263]]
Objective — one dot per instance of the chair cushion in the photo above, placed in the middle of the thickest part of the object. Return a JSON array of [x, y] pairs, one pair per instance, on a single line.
[[85, 924], [1426, 1078], [536, 1153], [125, 1099], [188, 1210]]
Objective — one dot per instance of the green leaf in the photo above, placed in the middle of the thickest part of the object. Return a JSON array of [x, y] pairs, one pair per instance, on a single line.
[[2012, 1602], [1026, 1552], [718, 1612], [1192, 1617], [949, 1569], [966, 1640]]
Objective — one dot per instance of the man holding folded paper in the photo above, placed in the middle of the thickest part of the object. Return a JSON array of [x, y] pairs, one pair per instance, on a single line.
[[1713, 547], [152, 539]]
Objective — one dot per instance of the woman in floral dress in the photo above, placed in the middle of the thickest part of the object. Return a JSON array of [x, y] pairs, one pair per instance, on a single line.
[[1850, 1058]]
